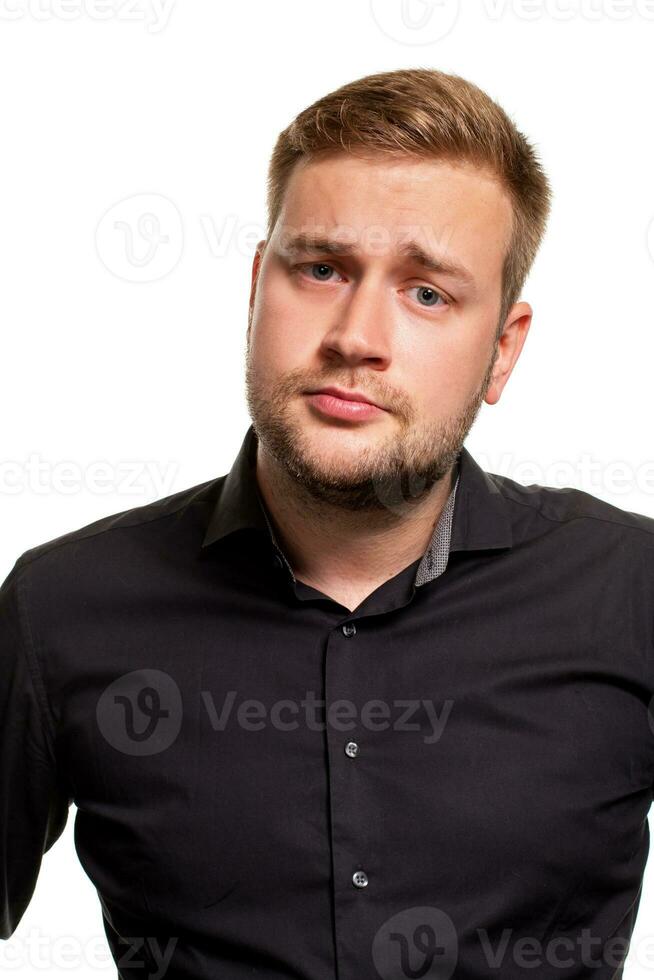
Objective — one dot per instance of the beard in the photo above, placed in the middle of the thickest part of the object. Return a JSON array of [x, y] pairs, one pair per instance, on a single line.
[[389, 476]]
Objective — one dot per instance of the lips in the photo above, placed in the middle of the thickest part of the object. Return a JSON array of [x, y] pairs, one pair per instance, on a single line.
[[343, 404], [346, 394]]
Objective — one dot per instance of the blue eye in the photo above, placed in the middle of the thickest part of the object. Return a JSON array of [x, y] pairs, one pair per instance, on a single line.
[[322, 266], [429, 295], [322, 272]]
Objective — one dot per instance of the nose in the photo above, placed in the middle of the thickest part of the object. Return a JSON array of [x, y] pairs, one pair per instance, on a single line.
[[361, 325]]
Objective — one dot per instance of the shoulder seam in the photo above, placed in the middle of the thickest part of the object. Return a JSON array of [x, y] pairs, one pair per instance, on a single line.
[[586, 517], [26, 559]]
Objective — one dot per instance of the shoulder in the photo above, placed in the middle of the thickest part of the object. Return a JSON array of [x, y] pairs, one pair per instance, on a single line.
[[536, 506], [130, 533]]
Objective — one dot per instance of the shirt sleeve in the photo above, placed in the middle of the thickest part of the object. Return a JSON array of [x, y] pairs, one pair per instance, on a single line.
[[33, 803]]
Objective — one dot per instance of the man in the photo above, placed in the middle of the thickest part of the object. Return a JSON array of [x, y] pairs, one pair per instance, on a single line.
[[357, 708]]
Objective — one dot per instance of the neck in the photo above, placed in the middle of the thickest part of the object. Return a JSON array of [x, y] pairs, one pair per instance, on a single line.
[[325, 544]]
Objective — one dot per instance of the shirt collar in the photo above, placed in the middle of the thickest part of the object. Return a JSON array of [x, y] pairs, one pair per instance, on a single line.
[[475, 511], [239, 504]]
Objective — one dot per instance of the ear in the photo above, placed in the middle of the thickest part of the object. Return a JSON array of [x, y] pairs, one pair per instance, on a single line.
[[256, 265], [514, 333]]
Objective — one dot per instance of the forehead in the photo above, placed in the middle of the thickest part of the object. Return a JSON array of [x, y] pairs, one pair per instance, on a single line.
[[379, 202]]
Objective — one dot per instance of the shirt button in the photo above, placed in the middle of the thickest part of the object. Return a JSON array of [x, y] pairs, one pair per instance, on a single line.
[[360, 879], [351, 749], [349, 629]]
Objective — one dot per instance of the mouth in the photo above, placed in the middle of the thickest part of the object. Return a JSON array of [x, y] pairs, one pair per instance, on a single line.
[[343, 404], [345, 394]]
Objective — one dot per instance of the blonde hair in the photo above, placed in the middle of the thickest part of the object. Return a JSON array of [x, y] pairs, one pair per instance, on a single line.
[[425, 113]]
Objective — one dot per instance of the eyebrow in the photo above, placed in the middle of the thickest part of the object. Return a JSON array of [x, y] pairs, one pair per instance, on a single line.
[[411, 250]]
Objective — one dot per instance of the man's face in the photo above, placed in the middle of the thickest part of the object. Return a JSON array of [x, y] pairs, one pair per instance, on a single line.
[[374, 318]]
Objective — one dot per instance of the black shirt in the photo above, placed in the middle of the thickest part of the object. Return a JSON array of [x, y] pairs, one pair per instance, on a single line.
[[470, 799]]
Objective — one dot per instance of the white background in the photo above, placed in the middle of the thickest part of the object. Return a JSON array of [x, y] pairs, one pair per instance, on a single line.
[[129, 355]]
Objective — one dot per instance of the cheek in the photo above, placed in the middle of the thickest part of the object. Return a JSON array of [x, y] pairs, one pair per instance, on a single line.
[[280, 339], [442, 376], [286, 325]]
